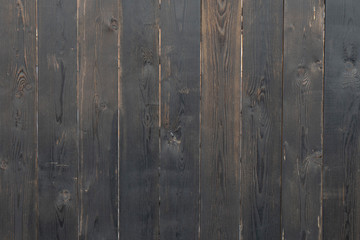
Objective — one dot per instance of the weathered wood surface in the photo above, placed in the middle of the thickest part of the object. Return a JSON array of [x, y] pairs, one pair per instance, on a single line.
[[341, 205], [164, 119], [302, 119], [139, 120], [220, 119], [58, 136], [261, 119], [18, 101], [180, 103], [98, 26]]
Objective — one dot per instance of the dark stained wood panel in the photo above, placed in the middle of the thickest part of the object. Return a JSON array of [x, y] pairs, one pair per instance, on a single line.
[[58, 136], [180, 104], [98, 26], [18, 85], [261, 119], [139, 120], [220, 119], [341, 195], [302, 119], [179, 119]]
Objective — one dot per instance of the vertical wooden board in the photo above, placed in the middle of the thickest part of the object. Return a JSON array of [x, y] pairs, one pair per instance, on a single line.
[[341, 196], [302, 119], [58, 138], [220, 119], [18, 84], [98, 26], [180, 105], [7, 164], [139, 120], [261, 119]]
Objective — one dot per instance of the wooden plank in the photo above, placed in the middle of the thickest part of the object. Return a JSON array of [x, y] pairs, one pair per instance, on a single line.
[[180, 106], [261, 119], [58, 138], [139, 120], [302, 119], [220, 119], [341, 203], [98, 26], [18, 86]]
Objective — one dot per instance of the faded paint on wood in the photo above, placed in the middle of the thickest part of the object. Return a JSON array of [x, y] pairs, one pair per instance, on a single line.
[[139, 120], [180, 102], [58, 136], [159, 119], [261, 119], [18, 86], [341, 205], [302, 119], [98, 26]]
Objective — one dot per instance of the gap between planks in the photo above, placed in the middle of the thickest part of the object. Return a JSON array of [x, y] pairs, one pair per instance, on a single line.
[[322, 127], [200, 122], [282, 151], [241, 87], [159, 113], [118, 113], [37, 117]]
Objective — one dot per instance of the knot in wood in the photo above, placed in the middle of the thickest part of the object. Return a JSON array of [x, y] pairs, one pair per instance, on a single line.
[[114, 24]]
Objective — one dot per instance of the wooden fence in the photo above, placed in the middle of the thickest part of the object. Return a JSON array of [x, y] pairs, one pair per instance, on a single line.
[[179, 119]]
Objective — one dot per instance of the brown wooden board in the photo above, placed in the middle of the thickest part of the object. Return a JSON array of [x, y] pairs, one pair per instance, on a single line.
[[180, 102], [301, 210], [139, 120], [341, 205], [261, 119], [98, 26], [220, 119], [58, 131], [18, 86]]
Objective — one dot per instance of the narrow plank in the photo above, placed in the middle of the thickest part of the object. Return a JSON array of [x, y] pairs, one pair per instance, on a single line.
[[8, 165], [58, 138], [261, 119], [302, 119], [220, 119], [341, 203], [98, 26], [18, 84], [139, 120], [180, 106]]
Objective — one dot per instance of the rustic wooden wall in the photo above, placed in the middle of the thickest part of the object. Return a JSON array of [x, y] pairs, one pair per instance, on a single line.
[[179, 119]]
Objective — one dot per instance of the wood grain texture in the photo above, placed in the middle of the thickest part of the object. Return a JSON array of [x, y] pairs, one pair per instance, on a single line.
[[98, 25], [180, 105], [341, 121], [302, 119], [261, 119], [139, 120], [220, 119], [18, 84], [58, 137]]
